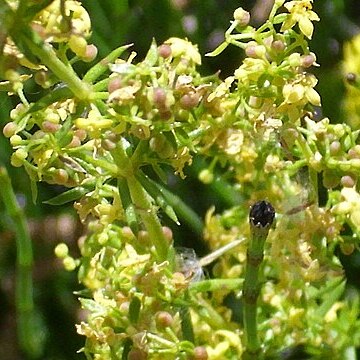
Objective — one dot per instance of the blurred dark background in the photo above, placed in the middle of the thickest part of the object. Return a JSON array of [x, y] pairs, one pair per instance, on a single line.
[[117, 22]]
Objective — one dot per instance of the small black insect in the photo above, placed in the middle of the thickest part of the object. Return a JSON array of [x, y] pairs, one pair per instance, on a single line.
[[262, 214]]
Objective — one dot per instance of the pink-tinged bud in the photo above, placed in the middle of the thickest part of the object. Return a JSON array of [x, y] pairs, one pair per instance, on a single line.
[[354, 152], [200, 353], [159, 97], [307, 60], [163, 319], [278, 46], [10, 129], [189, 101], [75, 142], [115, 83], [335, 147], [164, 51], [168, 233], [50, 127], [348, 181], [91, 52]]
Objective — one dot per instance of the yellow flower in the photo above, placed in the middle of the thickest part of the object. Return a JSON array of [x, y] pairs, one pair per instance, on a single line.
[[94, 123], [301, 13], [52, 21], [349, 206], [351, 64], [184, 48]]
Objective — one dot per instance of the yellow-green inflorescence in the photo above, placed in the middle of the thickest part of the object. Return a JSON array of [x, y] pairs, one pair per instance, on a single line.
[[95, 135]]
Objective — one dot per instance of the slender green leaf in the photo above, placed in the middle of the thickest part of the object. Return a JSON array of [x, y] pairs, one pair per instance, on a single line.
[[134, 310], [67, 196], [218, 50]]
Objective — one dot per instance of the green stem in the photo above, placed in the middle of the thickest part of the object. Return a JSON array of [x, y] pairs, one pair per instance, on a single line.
[[24, 261], [261, 218], [143, 205], [186, 322], [215, 285], [148, 215], [48, 57]]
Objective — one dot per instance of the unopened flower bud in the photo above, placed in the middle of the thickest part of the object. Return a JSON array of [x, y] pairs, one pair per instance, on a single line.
[[16, 140], [168, 233], [143, 237], [242, 17], [21, 154], [164, 51], [78, 45], [335, 147], [347, 181], [159, 97], [189, 101], [69, 263], [15, 161], [163, 319], [115, 83], [10, 129], [103, 238], [354, 152], [255, 51], [81, 134], [50, 127], [75, 142], [206, 176], [200, 353], [307, 60], [61, 176], [278, 46], [61, 250], [91, 52], [294, 60]]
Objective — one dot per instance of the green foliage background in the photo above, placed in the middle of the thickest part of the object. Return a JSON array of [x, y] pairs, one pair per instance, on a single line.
[[117, 22]]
